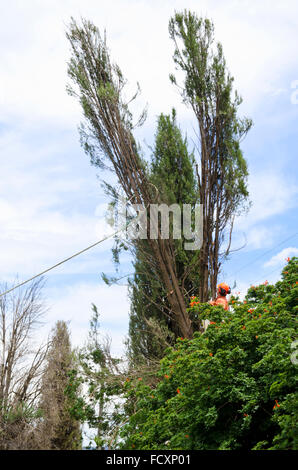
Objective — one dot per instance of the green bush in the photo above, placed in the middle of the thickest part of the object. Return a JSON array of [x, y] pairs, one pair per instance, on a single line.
[[232, 387]]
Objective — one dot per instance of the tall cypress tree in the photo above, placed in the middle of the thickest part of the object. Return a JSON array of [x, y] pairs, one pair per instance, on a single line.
[[151, 324], [58, 429]]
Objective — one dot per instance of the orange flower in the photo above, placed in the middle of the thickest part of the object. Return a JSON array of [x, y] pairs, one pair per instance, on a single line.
[[178, 391], [244, 327], [167, 376], [212, 323], [257, 337], [186, 435], [210, 354], [140, 378], [277, 404], [288, 259], [245, 414]]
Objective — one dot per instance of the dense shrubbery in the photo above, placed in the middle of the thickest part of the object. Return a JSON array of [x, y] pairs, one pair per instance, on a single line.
[[232, 387]]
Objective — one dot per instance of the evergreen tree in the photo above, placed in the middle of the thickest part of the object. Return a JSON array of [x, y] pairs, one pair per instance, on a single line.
[[58, 429], [152, 326]]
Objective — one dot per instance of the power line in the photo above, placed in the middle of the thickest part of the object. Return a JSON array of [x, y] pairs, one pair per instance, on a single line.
[[267, 275], [63, 261], [266, 252], [78, 253], [112, 235]]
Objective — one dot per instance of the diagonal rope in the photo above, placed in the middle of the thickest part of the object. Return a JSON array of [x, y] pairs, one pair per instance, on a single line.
[[75, 254], [63, 261], [264, 254]]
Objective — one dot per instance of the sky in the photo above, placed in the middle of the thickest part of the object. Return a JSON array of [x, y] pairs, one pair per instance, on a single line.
[[52, 203]]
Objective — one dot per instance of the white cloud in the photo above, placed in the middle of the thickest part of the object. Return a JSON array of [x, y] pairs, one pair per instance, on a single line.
[[50, 205], [35, 51], [33, 237], [260, 237], [280, 257], [73, 304], [272, 194]]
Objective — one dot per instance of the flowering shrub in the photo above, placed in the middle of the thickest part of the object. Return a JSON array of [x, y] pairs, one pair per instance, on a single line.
[[232, 387]]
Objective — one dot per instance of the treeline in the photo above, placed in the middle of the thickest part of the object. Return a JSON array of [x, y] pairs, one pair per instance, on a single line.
[[178, 386], [232, 387], [34, 409], [214, 175]]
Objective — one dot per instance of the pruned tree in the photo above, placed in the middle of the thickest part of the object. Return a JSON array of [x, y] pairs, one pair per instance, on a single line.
[[107, 133], [222, 172], [21, 365]]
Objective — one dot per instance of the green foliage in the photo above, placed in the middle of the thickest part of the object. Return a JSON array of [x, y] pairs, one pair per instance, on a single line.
[[172, 164], [98, 85], [232, 387], [208, 89], [22, 412], [93, 387], [172, 172], [58, 429]]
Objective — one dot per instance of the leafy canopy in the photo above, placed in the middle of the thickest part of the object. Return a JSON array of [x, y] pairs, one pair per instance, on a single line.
[[232, 387]]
